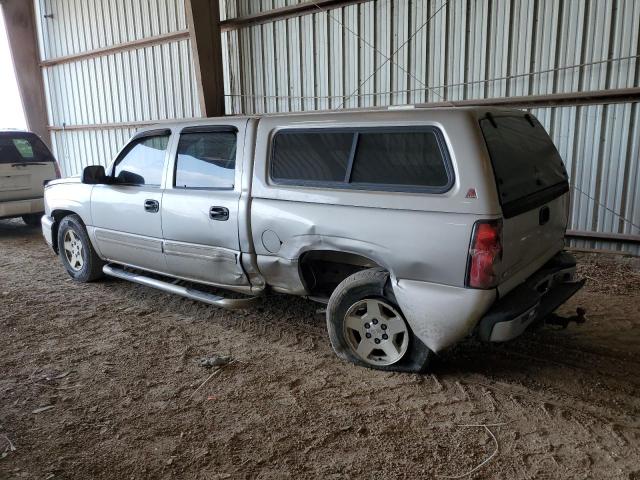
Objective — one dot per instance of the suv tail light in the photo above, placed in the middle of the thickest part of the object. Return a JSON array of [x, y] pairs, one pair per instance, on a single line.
[[57, 169], [485, 254]]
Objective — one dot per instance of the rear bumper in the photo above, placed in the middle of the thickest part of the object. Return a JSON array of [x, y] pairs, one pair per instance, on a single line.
[[537, 297], [16, 208]]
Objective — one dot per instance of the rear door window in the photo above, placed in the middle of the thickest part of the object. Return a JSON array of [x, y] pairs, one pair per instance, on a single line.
[[206, 160], [22, 147], [527, 166], [397, 159], [142, 162]]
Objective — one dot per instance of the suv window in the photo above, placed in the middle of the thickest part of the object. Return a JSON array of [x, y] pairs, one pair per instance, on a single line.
[[411, 158], [142, 162], [206, 160], [528, 169], [19, 147]]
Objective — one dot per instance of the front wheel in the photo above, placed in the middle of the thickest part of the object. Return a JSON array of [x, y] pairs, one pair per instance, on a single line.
[[76, 251], [366, 326]]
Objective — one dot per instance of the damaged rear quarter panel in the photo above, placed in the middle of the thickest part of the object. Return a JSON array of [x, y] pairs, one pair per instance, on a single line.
[[428, 246], [441, 315], [422, 239]]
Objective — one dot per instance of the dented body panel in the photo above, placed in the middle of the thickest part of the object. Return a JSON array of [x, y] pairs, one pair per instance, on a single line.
[[441, 315]]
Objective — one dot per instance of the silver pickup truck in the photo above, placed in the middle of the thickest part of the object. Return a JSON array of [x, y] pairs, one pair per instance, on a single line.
[[417, 227]]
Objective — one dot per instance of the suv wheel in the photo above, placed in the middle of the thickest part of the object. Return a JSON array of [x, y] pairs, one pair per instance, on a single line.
[[32, 219], [76, 252], [366, 327]]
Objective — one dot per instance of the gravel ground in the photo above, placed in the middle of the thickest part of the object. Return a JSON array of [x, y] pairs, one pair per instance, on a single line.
[[101, 381]]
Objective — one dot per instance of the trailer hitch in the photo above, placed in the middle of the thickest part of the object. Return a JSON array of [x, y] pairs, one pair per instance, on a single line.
[[580, 317]]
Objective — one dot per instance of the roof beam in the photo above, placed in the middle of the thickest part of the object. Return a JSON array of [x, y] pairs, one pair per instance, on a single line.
[[285, 12], [19, 19], [203, 18], [594, 97], [119, 47]]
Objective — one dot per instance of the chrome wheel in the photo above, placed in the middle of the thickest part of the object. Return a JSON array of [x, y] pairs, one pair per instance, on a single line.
[[376, 332], [73, 250]]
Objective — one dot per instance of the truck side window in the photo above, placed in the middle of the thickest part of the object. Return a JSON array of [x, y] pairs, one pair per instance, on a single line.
[[377, 158], [311, 156], [411, 159], [142, 162], [206, 160]]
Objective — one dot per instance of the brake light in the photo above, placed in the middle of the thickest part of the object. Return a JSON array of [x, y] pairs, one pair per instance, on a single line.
[[57, 169], [485, 254]]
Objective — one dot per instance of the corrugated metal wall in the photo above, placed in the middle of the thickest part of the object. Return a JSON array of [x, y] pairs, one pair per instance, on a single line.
[[94, 103], [379, 52], [469, 49]]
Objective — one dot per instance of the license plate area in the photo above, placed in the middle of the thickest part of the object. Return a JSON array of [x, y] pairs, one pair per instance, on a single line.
[[10, 183]]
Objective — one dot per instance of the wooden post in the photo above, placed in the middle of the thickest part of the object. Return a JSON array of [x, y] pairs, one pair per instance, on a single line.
[[19, 18], [203, 17]]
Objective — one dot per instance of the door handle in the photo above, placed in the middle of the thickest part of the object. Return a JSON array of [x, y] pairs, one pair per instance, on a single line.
[[152, 206], [219, 213]]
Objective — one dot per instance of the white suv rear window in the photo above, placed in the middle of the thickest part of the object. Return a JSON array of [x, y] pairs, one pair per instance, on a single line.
[[21, 147]]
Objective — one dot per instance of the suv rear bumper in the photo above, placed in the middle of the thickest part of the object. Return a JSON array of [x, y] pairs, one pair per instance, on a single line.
[[537, 297], [17, 208]]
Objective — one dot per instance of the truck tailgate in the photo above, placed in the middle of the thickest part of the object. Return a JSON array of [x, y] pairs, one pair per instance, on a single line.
[[533, 187]]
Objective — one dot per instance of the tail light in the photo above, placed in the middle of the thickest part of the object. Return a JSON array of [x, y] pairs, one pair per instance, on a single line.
[[485, 254]]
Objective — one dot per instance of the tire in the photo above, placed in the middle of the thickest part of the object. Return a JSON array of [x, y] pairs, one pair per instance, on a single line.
[[78, 256], [367, 297], [32, 219]]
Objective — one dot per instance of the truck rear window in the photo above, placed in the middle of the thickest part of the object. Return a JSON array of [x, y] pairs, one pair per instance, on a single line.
[[22, 147], [527, 166], [397, 159]]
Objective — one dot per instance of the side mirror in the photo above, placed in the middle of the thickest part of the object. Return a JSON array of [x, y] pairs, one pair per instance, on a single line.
[[93, 175]]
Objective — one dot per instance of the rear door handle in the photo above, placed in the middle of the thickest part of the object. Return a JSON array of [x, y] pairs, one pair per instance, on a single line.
[[152, 206], [219, 213]]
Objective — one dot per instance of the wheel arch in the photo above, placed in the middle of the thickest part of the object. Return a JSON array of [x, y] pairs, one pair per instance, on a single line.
[[57, 215], [322, 270]]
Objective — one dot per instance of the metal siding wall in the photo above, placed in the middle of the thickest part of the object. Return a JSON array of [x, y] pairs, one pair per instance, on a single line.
[[144, 84], [101, 145], [82, 25], [472, 42], [315, 62]]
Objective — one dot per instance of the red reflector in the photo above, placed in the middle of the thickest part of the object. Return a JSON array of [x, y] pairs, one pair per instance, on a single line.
[[485, 254]]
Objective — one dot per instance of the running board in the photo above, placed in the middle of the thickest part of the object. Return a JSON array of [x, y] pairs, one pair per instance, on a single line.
[[228, 303]]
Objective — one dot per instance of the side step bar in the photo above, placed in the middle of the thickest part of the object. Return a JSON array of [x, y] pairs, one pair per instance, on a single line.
[[228, 303]]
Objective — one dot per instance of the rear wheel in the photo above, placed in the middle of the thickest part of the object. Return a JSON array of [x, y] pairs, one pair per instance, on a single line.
[[32, 219], [366, 326], [76, 251]]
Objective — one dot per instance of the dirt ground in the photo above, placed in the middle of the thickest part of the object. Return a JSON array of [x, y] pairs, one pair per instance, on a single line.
[[101, 381]]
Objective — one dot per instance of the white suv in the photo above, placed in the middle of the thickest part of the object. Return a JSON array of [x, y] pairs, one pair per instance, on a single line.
[[26, 164]]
